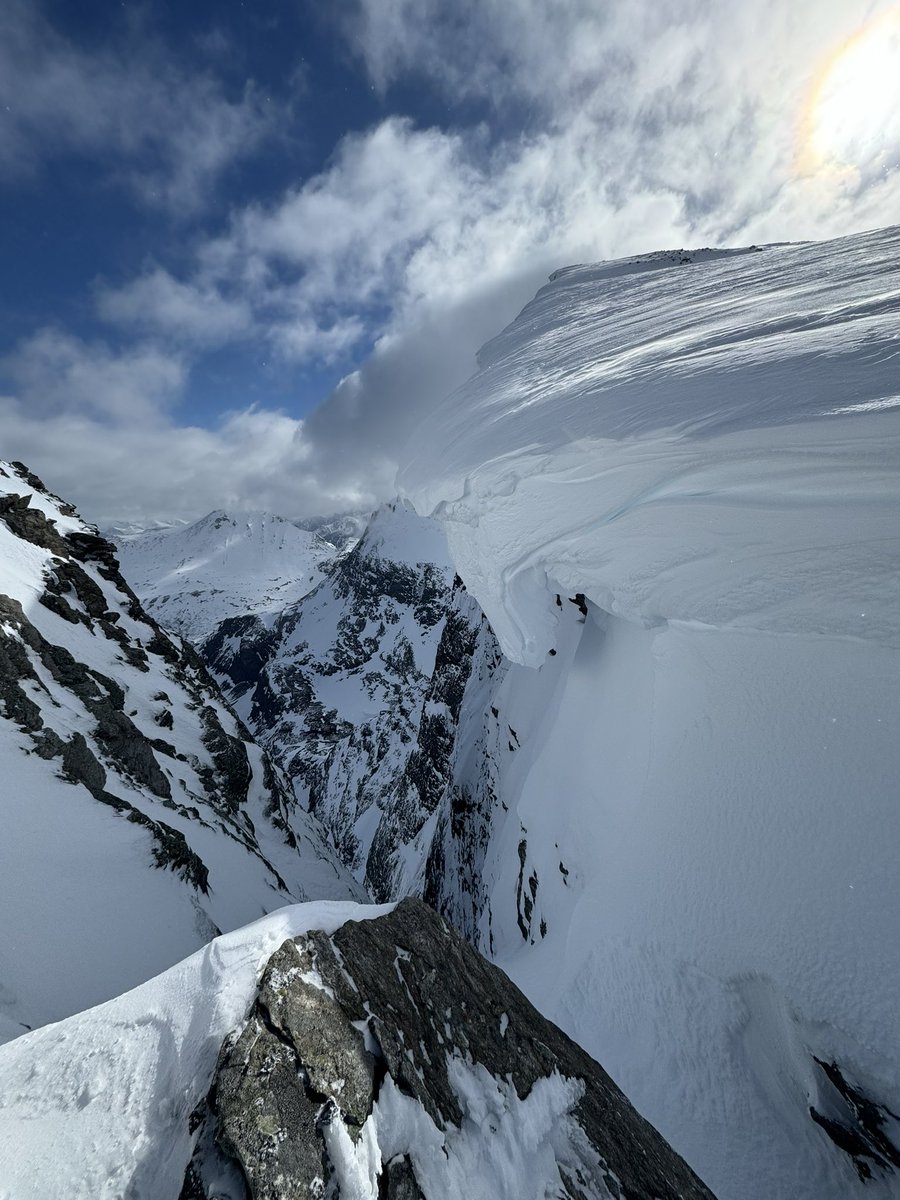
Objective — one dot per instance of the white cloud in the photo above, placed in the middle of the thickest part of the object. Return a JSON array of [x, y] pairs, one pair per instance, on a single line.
[[647, 124], [254, 459], [99, 424], [164, 133], [402, 223], [608, 129], [56, 373], [706, 100], [158, 303]]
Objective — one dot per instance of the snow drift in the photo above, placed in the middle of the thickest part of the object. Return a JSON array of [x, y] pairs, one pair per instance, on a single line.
[[673, 488]]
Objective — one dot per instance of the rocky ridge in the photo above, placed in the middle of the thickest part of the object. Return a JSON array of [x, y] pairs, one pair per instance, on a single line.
[[391, 1060], [337, 688]]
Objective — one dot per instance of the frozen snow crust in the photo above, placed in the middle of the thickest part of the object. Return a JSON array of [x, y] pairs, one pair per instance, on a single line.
[[706, 447]]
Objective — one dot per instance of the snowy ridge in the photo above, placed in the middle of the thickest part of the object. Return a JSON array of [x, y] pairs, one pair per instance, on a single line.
[[698, 419], [673, 488], [335, 687], [99, 1106], [224, 565], [133, 799], [361, 1052]]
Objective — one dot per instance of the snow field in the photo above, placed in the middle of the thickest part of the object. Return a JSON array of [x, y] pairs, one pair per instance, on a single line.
[[708, 452]]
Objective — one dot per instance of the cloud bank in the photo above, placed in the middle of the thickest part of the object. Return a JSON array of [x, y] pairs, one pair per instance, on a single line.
[[576, 131]]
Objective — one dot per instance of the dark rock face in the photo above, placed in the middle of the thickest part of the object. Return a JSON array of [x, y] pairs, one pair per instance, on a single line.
[[242, 666], [423, 784], [405, 999], [467, 804], [31, 524], [401, 762], [859, 1126], [369, 634], [301, 1044]]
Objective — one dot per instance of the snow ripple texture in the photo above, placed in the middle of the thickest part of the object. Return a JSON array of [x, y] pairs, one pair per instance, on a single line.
[[702, 451]]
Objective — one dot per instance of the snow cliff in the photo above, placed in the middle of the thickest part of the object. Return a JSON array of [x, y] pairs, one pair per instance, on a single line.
[[673, 488]]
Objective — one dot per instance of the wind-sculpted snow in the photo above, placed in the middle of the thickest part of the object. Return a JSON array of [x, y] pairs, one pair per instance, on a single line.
[[673, 488], [709, 441], [191, 579], [138, 818]]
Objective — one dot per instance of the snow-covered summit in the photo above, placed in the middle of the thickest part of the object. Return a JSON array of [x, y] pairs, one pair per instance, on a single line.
[[342, 530], [674, 489], [224, 565]]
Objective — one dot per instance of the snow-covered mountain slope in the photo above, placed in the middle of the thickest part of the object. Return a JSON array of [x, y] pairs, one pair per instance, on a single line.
[[343, 530], [335, 689], [378, 1058], [124, 531], [673, 488], [191, 579], [138, 818]]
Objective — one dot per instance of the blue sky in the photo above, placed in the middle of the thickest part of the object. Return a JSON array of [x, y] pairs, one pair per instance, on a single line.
[[69, 227], [246, 245]]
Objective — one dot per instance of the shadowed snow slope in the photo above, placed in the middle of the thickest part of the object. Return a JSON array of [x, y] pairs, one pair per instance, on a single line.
[[138, 817], [224, 565], [699, 816]]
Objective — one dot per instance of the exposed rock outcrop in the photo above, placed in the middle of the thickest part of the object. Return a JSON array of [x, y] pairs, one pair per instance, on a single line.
[[375, 1060], [350, 690], [95, 694]]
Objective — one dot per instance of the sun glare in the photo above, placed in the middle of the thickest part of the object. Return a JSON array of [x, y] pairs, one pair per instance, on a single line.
[[854, 116]]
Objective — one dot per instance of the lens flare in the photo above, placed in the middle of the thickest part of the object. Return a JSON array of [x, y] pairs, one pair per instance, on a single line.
[[853, 119]]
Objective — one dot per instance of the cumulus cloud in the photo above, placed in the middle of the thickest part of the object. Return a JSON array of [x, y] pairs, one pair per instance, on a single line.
[[252, 459], [404, 222], [638, 124], [164, 133], [100, 425]]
